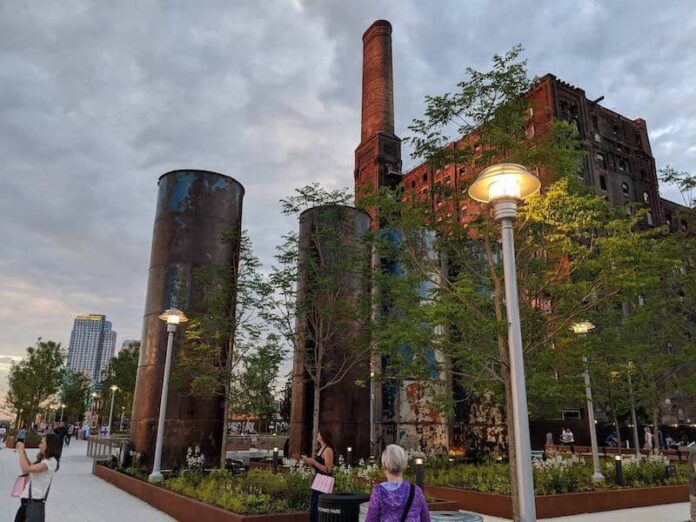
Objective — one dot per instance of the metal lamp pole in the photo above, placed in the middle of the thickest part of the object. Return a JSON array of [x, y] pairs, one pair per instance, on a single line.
[[372, 412], [505, 186], [62, 410], [636, 443], [581, 329], [114, 388], [173, 317]]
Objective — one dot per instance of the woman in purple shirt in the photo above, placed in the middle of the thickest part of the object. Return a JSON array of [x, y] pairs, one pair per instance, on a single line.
[[389, 500]]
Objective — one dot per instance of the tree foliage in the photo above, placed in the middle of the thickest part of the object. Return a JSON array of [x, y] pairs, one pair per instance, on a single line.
[[121, 371]]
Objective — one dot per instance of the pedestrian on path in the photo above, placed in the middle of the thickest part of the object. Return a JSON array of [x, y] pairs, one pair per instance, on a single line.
[[69, 434], [692, 482], [40, 476], [322, 464], [396, 499], [648, 439]]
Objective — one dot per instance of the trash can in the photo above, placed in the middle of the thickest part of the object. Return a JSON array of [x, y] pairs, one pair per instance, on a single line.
[[341, 507], [363, 511], [455, 516]]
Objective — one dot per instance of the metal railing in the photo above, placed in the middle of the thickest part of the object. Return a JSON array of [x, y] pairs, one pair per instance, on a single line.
[[103, 448]]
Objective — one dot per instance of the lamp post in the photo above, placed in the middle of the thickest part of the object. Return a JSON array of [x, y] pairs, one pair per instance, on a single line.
[[62, 411], [372, 411], [172, 317], [114, 389], [504, 186], [123, 410], [581, 329], [94, 396], [636, 443]]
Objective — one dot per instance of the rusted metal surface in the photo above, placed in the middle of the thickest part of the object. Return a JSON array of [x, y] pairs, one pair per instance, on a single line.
[[194, 208], [345, 407]]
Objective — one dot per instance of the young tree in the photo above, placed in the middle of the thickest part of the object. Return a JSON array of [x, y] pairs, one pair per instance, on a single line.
[[217, 340], [321, 299], [254, 383], [74, 393], [121, 371], [35, 379], [573, 251]]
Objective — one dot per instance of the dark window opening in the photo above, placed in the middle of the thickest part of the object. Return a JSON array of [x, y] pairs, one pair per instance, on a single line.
[[425, 177], [602, 160], [603, 182], [595, 123], [625, 188], [646, 197], [643, 173], [615, 128], [413, 184]]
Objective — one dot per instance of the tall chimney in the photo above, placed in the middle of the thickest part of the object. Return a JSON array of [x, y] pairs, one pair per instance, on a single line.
[[377, 82], [378, 157]]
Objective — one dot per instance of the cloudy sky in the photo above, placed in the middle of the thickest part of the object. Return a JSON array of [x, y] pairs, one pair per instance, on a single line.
[[98, 99]]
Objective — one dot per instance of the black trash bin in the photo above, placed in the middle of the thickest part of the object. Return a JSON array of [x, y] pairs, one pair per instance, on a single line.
[[341, 507]]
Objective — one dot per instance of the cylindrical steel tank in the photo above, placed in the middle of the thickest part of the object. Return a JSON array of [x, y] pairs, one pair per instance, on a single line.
[[339, 232], [194, 209]]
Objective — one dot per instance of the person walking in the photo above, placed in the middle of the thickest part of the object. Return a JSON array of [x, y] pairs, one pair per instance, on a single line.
[[396, 500], [69, 434], [322, 464], [648, 439], [3, 433], [692, 482], [40, 477]]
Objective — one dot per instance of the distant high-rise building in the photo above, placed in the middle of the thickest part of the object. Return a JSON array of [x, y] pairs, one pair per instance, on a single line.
[[92, 343], [130, 345]]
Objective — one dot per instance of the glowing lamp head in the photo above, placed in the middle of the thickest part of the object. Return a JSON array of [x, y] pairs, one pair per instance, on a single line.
[[350, 449], [114, 388], [504, 181], [275, 450], [62, 405], [618, 458], [419, 462], [94, 394], [582, 327], [173, 316]]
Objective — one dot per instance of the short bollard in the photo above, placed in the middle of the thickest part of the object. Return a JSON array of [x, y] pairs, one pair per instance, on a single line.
[[420, 473], [349, 457], [618, 468], [275, 460]]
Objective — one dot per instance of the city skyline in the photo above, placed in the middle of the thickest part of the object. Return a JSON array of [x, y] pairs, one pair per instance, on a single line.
[[88, 136]]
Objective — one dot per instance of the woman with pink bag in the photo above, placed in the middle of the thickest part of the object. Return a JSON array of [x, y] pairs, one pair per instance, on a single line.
[[37, 478], [322, 464]]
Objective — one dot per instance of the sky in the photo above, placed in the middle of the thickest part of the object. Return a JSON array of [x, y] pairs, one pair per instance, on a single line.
[[98, 99]]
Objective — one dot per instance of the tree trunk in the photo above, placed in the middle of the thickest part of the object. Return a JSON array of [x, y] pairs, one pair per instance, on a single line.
[[223, 440], [315, 417], [512, 450], [397, 413], [618, 431], [656, 436]]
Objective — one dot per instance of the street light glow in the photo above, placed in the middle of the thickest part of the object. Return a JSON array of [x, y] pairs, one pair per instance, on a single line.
[[173, 316], [114, 388], [504, 181], [582, 327]]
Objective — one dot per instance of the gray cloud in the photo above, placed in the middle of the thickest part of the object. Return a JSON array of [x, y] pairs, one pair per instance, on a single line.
[[99, 99]]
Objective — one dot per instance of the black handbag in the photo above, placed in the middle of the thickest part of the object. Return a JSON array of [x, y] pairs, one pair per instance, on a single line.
[[35, 510]]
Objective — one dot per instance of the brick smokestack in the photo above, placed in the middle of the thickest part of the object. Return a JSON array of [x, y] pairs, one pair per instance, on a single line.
[[378, 157], [377, 82]]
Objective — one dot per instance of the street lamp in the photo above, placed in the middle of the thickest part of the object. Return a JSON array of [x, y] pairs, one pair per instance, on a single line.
[[581, 329], [123, 410], [636, 443], [172, 317], [62, 410], [114, 389], [505, 186], [372, 411]]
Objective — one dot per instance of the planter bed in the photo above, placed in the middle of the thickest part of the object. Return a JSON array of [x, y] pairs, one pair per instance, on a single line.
[[187, 509], [548, 506], [11, 442]]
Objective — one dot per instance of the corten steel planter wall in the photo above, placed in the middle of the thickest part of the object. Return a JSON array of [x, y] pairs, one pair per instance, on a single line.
[[186, 509], [548, 506], [183, 508], [345, 407], [194, 208], [11, 442]]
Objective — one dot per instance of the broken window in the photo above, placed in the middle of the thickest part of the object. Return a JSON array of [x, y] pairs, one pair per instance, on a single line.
[[601, 160]]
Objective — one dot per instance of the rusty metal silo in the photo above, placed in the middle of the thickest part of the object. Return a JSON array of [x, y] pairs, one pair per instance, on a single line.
[[344, 407], [194, 209]]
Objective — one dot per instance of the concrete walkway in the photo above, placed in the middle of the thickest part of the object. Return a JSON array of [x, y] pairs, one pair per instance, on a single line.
[[76, 495]]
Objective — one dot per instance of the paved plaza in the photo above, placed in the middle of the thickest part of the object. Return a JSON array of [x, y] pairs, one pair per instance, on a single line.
[[78, 496]]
